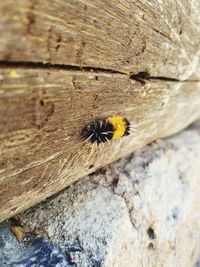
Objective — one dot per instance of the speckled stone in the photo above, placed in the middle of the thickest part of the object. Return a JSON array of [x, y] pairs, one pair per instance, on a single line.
[[143, 210], [37, 253]]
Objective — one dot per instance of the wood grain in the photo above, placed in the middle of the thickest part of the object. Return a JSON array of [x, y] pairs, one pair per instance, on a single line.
[[43, 112], [160, 37], [67, 63]]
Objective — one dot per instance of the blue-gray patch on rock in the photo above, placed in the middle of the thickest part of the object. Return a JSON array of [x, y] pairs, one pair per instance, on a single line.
[[37, 253]]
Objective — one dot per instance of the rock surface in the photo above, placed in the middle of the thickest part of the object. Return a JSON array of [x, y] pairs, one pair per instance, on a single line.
[[37, 252], [143, 210]]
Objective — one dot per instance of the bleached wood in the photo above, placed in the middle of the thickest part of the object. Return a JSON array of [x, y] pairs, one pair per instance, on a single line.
[[43, 108]]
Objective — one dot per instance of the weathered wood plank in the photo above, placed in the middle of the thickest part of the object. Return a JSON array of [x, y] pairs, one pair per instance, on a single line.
[[160, 37], [43, 109], [43, 112]]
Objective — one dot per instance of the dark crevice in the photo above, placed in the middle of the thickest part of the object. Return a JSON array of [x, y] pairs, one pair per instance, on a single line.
[[141, 77], [41, 65], [144, 76], [161, 78], [150, 232]]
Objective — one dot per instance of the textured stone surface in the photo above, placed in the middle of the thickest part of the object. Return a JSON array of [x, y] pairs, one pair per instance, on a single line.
[[36, 253], [143, 210]]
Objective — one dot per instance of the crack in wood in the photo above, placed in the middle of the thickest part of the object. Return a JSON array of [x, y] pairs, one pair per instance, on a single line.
[[41, 65], [141, 77], [144, 76]]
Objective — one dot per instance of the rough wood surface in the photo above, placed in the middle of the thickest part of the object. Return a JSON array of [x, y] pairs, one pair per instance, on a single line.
[[43, 112], [160, 37], [110, 57]]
